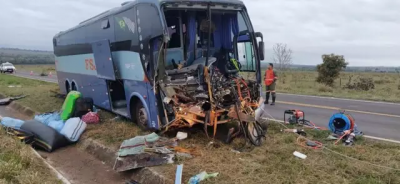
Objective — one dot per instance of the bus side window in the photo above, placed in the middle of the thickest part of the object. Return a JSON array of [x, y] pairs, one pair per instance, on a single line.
[[126, 36]]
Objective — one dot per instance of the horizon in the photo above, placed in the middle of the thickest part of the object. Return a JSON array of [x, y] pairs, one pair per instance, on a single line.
[[262, 62]]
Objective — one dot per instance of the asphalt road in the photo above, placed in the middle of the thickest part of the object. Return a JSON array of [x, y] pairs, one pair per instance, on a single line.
[[378, 119], [36, 76]]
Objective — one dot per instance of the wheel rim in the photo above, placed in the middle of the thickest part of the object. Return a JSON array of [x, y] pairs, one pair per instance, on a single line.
[[253, 133], [143, 117]]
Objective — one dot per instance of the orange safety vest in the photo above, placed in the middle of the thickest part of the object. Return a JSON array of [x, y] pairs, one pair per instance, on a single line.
[[269, 77]]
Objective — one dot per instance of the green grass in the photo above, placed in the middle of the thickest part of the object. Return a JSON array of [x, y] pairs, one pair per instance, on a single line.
[[272, 162], [38, 69], [40, 98], [387, 85], [19, 165]]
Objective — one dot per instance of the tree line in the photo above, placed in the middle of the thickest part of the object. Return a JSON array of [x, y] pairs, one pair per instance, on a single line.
[[16, 56]]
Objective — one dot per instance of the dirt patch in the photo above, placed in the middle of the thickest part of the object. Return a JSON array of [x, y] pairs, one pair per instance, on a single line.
[[108, 156], [81, 167]]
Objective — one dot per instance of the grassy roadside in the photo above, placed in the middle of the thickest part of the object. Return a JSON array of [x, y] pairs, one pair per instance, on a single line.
[[41, 99], [38, 69], [273, 162], [19, 165], [387, 85]]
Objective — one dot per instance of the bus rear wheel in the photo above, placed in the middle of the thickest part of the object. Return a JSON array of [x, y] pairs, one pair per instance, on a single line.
[[140, 116], [67, 87]]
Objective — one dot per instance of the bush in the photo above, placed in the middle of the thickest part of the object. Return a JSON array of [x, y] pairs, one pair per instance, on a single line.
[[325, 89], [364, 84], [330, 68], [43, 74], [382, 81]]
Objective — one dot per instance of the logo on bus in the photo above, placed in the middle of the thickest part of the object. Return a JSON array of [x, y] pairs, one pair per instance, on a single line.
[[89, 64]]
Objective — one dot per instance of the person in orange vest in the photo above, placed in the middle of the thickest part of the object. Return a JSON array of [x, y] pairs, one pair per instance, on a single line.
[[270, 83]]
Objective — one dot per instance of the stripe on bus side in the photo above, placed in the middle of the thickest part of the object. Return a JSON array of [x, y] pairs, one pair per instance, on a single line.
[[127, 63]]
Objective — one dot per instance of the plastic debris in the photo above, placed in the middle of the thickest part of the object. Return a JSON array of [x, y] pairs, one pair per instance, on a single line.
[[12, 86], [181, 135], [201, 176], [11, 122], [91, 118], [48, 117], [332, 137], [299, 155], [178, 176], [235, 151]]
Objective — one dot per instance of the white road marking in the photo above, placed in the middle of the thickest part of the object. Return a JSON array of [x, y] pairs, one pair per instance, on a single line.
[[343, 99]]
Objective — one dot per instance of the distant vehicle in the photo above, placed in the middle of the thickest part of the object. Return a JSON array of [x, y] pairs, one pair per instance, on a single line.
[[7, 67], [127, 58]]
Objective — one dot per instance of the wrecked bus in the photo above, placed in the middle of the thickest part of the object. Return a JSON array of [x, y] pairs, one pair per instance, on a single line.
[[166, 63]]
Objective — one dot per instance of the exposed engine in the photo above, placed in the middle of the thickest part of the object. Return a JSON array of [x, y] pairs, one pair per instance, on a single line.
[[208, 95]]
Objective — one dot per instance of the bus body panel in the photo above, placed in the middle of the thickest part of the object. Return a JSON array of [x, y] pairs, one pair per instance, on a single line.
[[88, 85], [75, 58]]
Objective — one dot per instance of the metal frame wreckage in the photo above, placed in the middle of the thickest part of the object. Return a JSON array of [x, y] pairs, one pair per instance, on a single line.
[[212, 92]]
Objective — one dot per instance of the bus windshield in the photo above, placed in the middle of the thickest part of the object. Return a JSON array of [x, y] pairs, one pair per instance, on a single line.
[[190, 35]]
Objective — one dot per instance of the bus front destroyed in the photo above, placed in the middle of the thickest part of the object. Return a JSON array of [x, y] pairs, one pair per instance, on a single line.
[[211, 96]]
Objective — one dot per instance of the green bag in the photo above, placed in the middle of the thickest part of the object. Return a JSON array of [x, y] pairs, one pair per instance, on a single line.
[[68, 107]]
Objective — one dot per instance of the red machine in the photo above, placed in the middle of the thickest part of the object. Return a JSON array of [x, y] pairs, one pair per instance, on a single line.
[[294, 116]]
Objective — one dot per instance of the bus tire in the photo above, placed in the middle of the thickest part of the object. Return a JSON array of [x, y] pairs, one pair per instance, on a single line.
[[73, 87], [139, 114], [67, 87]]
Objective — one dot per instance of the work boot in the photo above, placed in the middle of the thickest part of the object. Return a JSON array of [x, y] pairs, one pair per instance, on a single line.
[[273, 98], [266, 97]]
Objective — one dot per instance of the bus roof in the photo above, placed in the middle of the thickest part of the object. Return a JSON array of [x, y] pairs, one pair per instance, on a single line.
[[126, 5]]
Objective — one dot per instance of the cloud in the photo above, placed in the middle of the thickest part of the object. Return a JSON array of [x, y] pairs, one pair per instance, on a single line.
[[365, 31]]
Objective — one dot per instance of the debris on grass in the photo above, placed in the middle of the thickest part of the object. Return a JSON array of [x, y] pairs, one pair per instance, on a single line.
[[144, 151], [201, 176], [299, 155], [181, 135], [12, 86], [6, 101]]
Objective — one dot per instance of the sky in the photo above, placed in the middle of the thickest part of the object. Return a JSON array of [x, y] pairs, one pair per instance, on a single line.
[[366, 32]]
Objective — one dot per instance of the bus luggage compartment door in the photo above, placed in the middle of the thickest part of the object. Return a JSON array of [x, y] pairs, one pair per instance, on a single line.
[[103, 60]]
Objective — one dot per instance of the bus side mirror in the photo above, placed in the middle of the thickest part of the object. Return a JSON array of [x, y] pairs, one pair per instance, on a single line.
[[261, 50]]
